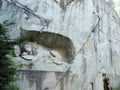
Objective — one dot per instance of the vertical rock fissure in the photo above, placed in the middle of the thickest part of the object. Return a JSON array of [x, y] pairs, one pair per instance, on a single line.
[[62, 84], [110, 33], [84, 66], [60, 80], [110, 48], [39, 79], [33, 77]]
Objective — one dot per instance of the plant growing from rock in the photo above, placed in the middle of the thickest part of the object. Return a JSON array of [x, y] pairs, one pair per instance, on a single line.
[[8, 68]]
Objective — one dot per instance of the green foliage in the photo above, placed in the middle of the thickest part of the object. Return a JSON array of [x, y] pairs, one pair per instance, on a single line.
[[111, 3], [3, 29], [118, 88], [8, 72]]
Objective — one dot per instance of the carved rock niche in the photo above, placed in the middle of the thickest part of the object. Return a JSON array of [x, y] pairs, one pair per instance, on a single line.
[[46, 45]]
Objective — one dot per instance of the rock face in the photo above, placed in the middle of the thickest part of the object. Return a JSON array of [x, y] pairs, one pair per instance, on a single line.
[[92, 26]]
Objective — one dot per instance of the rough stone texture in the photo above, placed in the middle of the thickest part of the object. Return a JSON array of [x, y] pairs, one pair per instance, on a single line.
[[94, 29]]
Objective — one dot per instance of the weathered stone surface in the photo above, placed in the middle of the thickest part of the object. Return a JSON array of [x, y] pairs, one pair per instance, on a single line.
[[94, 29]]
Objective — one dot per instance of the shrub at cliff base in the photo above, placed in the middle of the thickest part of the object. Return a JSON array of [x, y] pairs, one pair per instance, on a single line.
[[8, 73]]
